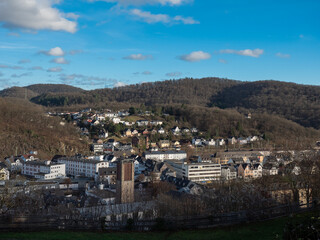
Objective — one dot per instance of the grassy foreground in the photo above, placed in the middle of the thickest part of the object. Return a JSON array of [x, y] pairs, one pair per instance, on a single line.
[[261, 230]]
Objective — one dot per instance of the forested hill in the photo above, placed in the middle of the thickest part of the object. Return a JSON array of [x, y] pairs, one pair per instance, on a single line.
[[187, 91], [32, 91], [299, 103], [53, 88], [25, 127]]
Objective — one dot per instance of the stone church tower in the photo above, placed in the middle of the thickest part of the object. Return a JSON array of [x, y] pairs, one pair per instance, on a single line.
[[125, 181]]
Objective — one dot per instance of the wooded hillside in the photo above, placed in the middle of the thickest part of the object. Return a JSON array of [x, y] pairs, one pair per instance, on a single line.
[[299, 103], [25, 127]]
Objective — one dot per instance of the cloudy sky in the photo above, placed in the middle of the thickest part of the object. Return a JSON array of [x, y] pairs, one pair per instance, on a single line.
[[105, 43]]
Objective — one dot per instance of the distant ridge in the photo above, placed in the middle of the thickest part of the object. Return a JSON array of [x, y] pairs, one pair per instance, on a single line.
[[32, 91], [295, 102]]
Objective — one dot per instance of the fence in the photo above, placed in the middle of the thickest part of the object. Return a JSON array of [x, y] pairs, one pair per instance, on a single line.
[[36, 223]]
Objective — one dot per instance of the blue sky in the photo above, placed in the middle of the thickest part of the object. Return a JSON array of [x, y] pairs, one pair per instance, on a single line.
[[105, 43]]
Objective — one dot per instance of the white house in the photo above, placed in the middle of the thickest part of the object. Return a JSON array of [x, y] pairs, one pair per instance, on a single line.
[[138, 167], [156, 123], [111, 115], [197, 141], [176, 131], [256, 171], [142, 123], [161, 131], [269, 170], [210, 142], [228, 172], [116, 120], [220, 142]]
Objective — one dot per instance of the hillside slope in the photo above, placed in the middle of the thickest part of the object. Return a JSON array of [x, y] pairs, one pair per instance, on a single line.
[[228, 122], [184, 91], [18, 92], [25, 127], [299, 103], [32, 91]]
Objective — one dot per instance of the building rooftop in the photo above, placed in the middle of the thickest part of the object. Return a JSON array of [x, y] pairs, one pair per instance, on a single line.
[[76, 159], [165, 152]]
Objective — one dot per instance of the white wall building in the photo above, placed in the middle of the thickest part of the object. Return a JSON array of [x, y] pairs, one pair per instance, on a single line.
[[165, 155], [196, 172], [44, 169], [82, 167], [228, 173]]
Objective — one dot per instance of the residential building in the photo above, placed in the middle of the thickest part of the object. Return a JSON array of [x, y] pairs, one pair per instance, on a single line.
[[176, 131], [155, 123], [44, 169], [269, 170], [161, 131], [97, 148], [116, 120], [139, 167], [142, 123], [249, 171], [4, 174], [78, 166], [111, 115], [197, 141], [228, 172], [165, 155], [164, 144], [107, 175], [14, 163], [196, 172]]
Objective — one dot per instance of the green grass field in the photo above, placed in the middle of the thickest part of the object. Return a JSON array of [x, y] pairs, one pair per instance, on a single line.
[[261, 230]]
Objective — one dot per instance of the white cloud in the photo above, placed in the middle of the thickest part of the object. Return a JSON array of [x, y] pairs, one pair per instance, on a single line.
[[119, 84], [195, 56], [149, 17], [55, 69], [187, 20], [174, 74], [60, 60], [84, 80], [247, 52], [138, 56], [35, 15], [56, 52], [283, 55], [145, 2]]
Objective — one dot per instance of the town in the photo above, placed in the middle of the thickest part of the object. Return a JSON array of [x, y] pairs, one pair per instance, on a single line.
[[141, 163]]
